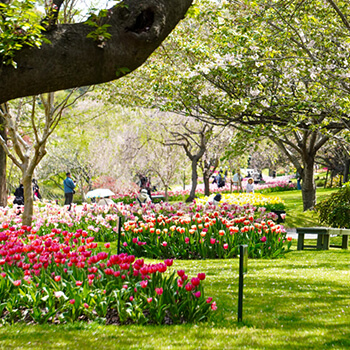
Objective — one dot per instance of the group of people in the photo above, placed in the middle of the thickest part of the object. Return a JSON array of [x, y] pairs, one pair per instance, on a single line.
[[19, 193]]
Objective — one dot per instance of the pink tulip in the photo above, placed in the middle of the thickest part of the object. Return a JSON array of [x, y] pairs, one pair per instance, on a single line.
[[263, 239], [149, 300], [107, 245], [197, 294], [86, 305], [72, 301], [225, 246], [17, 283], [213, 306], [159, 291]]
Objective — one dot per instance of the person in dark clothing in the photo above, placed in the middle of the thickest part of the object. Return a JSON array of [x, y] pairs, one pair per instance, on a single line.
[[36, 192], [69, 186], [19, 195]]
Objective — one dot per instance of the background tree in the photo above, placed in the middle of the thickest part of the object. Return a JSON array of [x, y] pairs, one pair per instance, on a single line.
[[28, 132]]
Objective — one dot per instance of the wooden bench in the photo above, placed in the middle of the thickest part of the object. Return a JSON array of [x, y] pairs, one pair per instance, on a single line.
[[323, 236], [158, 197]]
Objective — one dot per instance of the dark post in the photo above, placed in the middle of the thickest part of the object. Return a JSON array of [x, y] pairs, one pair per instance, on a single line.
[[119, 232], [243, 269]]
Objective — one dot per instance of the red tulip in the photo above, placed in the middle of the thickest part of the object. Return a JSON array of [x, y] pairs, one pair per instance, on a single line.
[[189, 287], [17, 283], [72, 301], [57, 278], [107, 245], [201, 276], [159, 291]]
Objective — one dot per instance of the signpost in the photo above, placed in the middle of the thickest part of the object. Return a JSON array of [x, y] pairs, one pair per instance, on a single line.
[[243, 269]]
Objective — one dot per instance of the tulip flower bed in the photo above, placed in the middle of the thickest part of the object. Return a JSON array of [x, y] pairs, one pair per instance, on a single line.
[[171, 230], [210, 235], [62, 276], [255, 199]]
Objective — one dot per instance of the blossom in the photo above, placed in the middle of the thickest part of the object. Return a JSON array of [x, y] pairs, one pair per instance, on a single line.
[[57, 278], [289, 239], [144, 283], [164, 244], [225, 245], [159, 291], [213, 306], [86, 305], [78, 283], [201, 276], [189, 287], [263, 239], [107, 245], [149, 300], [72, 301], [197, 294], [17, 283], [209, 300]]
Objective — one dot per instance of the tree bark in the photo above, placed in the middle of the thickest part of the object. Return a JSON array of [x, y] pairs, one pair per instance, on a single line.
[[28, 199], [206, 184], [71, 59], [3, 163], [308, 187], [192, 195]]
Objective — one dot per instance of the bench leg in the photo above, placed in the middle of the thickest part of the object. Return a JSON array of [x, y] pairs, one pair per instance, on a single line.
[[301, 241], [326, 242], [345, 242], [323, 242]]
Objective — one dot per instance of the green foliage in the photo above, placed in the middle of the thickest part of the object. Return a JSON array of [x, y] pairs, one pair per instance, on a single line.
[[19, 27], [335, 210], [100, 33]]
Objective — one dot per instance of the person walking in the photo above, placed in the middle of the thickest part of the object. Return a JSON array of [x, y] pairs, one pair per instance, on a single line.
[[69, 186]]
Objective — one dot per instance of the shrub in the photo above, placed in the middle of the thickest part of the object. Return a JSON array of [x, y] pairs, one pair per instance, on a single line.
[[335, 210]]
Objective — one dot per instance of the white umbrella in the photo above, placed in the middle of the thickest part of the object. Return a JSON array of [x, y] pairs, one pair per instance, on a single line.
[[99, 193]]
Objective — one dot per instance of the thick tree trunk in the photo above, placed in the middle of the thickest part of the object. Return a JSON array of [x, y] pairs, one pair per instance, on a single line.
[[194, 180], [206, 180], [308, 186], [3, 163], [137, 28], [27, 215]]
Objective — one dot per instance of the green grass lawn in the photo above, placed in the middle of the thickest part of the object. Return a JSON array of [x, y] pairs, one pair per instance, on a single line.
[[296, 217], [301, 301]]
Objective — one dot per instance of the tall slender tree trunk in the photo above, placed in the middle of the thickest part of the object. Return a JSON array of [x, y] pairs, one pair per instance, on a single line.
[[3, 163], [166, 193], [194, 180], [27, 215], [308, 186]]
